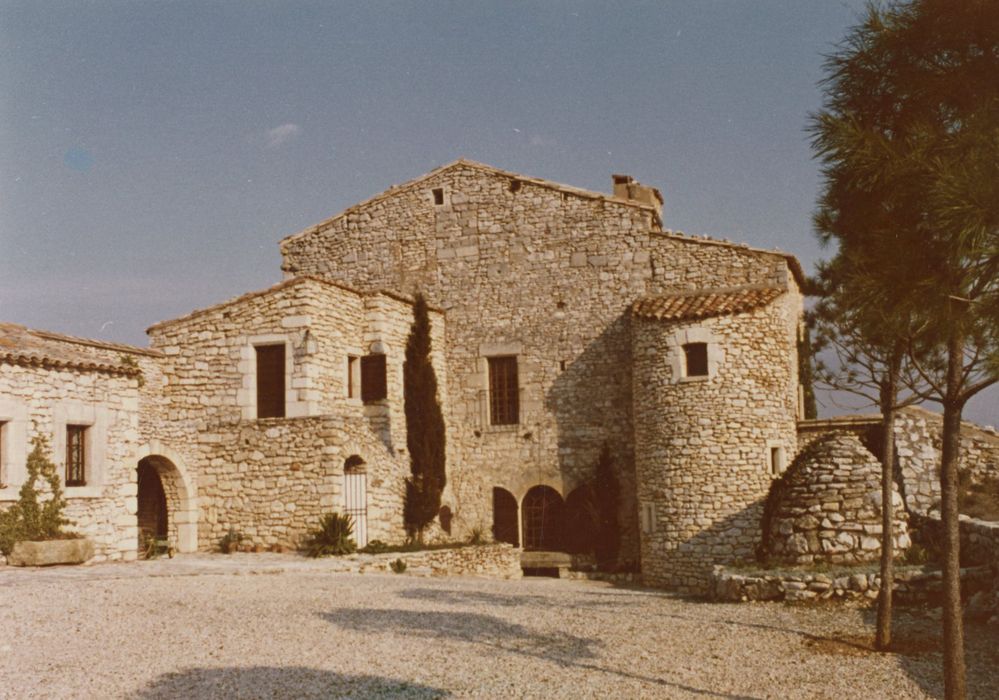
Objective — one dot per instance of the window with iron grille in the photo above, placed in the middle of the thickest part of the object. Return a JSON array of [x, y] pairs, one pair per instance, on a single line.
[[374, 382], [76, 455], [504, 393], [270, 381], [696, 356]]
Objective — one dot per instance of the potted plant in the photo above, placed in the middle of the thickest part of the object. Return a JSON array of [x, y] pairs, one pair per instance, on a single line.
[[31, 532]]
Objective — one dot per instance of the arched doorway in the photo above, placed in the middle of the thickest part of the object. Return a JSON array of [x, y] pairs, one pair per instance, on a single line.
[[151, 512], [505, 517], [543, 526], [166, 505], [355, 497]]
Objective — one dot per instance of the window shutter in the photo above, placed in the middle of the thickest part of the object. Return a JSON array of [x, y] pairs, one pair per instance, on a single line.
[[374, 386], [270, 381]]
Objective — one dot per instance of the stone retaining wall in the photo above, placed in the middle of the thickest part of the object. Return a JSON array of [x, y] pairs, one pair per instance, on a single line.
[[913, 585], [493, 560]]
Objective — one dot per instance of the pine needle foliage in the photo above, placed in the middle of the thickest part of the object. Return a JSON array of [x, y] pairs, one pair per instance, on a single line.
[[425, 432], [29, 519], [909, 142]]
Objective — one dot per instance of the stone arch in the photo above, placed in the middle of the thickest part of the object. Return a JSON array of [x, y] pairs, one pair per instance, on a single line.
[[505, 527], [543, 521], [179, 495]]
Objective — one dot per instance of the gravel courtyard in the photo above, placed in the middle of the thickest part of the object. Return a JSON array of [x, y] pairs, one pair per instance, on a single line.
[[184, 630]]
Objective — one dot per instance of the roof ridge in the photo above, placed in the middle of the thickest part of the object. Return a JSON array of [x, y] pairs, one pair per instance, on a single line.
[[393, 189], [77, 340]]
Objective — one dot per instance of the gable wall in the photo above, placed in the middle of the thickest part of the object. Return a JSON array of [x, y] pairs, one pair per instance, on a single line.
[[535, 272]]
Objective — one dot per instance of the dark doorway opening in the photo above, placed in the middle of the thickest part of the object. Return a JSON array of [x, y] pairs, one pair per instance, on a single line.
[[543, 521], [152, 503], [505, 517]]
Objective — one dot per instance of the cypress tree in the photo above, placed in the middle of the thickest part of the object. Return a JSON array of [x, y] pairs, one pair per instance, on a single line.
[[607, 492], [425, 437]]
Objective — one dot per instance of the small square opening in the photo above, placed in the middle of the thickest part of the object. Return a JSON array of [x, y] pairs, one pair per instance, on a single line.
[[696, 356], [438, 196]]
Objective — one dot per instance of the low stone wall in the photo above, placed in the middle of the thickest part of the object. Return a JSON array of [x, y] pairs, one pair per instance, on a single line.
[[491, 560], [913, 585]]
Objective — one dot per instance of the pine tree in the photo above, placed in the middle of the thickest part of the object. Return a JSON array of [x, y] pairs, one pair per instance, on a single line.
[[425, 435], [910, 131]]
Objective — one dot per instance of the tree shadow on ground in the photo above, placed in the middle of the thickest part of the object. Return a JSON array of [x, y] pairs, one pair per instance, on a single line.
[[280, 682], [495, 634], [462, 597]]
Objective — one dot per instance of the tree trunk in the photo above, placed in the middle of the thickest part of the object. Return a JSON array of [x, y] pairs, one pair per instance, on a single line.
[[954, 667], [889, 391]]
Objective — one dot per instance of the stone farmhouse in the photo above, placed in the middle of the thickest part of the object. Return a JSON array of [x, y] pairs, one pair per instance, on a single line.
[[564, 321]]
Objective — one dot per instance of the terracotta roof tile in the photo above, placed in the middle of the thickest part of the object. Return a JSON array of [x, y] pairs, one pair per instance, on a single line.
[[20, 345], [704, 303]]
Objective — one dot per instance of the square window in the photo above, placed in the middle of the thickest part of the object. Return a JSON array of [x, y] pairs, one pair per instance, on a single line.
[[438, 196], [504, 391], [696, 359], [76, 455]]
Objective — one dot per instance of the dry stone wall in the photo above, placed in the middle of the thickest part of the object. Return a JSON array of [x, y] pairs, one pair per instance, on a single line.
[[704, 444], [533, 270], [827, 506]]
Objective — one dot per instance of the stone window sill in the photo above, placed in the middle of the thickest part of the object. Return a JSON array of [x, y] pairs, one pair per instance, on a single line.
[[699, 378], [508, 428]]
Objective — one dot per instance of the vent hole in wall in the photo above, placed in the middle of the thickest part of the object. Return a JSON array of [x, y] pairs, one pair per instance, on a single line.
[[515, 186], [438, 196]]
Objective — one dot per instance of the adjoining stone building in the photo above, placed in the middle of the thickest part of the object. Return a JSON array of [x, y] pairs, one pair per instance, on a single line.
[[564, 320]]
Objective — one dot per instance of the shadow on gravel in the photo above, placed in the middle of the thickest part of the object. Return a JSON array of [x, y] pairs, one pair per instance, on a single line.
[[489, 631], [279, 682], [614, 601]]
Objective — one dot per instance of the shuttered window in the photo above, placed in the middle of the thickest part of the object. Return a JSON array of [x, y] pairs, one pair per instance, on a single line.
[[504, 394], [76, 455], [374, 386], [270, 381]]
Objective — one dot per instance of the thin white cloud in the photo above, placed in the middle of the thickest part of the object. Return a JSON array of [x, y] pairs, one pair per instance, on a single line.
[[282, 134]]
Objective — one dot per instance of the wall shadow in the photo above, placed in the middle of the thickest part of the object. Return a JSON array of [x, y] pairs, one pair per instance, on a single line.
[[591, 402], [496, 634], [279, 682]]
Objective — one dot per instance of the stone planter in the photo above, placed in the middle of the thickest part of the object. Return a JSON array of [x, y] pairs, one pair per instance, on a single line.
[[51, 552]]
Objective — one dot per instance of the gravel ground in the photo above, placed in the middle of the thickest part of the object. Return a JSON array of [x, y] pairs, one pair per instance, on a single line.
[[204, 627]]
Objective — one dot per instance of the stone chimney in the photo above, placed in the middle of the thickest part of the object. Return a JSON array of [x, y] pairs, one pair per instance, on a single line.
[[626, 187]]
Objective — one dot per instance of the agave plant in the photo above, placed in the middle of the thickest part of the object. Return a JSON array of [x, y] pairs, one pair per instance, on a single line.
[[332, 538]]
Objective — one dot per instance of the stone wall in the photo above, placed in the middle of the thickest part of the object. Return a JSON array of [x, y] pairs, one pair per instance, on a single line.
[[537, 270], [918, 439], [42, 399], [827, 506], [703, 444], [271, 478]]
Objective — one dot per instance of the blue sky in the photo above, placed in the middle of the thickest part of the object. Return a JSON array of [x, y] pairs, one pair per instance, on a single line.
[[152, 154]]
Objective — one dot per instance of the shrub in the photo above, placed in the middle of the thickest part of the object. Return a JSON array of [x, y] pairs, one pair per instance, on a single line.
[[332, 538], [29, 520], [979, 499], [231, 540], [375, 547], [476, 536], [398, 566]]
